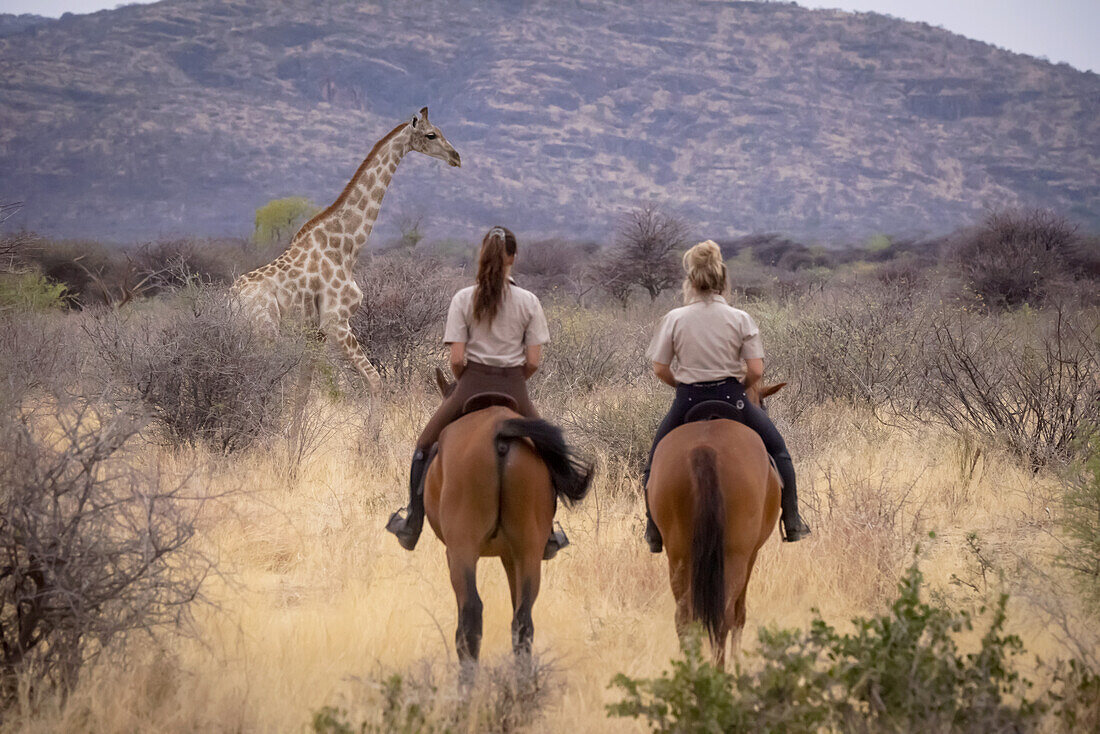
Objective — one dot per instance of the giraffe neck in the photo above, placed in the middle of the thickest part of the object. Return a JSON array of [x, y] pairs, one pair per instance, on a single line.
[[350, 222]]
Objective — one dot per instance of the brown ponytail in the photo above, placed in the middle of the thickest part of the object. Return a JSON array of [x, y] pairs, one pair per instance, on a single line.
[[489, 292]]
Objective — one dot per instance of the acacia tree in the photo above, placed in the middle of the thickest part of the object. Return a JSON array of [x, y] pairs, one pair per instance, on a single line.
[[645, 249], [279, 219]]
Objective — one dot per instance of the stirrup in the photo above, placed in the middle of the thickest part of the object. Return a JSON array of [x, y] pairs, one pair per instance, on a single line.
[[555, 542]]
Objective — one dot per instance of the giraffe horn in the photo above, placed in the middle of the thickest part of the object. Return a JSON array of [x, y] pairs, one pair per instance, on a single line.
[[424, 114]]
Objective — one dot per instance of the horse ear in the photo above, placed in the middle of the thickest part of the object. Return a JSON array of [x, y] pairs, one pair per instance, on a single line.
[[772, 389], [442, 382]]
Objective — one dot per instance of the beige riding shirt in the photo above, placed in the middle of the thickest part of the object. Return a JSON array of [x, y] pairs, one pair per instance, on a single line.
[[519, 323], [706, 340]]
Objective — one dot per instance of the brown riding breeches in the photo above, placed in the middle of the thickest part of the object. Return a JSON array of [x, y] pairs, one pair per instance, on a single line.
[[477, 378]]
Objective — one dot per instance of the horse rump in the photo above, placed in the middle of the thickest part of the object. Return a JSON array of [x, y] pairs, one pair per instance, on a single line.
[[708, 554], [569, 474]]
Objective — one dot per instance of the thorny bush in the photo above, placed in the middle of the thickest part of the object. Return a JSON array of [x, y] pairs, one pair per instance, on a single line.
[[93, 543], [205, 372]]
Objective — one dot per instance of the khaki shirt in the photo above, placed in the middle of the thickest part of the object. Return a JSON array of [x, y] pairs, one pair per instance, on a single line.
[[519, 323], [706, 340]]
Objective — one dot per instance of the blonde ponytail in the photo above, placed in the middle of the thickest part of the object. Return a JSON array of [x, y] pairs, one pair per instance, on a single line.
[[706, 272]]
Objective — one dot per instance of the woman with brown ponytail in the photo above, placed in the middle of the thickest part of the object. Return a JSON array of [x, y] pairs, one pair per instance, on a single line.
[[495, 331], [718, 354]]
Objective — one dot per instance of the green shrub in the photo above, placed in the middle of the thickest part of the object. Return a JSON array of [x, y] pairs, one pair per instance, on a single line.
[[30, 292], [1081, 522], [279, 219], [900, 671]]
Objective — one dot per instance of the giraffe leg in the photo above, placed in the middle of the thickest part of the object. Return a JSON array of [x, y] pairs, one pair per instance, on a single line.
[[340, 332]]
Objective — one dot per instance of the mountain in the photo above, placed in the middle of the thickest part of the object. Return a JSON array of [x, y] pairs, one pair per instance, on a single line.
[[183, 116]]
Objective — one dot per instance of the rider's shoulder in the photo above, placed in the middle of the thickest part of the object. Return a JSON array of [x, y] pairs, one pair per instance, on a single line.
[[464, 293], [523, 293]]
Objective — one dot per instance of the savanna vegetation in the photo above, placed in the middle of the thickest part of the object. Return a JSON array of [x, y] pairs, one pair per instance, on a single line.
[[186, 544]]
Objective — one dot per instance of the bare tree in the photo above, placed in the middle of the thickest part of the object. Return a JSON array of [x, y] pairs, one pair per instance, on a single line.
[[644, 253], [93, 541], [411, 224], [1036, 390], [614, 275]]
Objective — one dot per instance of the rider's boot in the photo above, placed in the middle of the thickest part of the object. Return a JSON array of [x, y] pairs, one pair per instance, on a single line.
[[652, 534], [792, 527], [407, 527]]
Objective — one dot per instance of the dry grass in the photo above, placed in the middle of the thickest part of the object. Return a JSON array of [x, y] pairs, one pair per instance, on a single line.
[[315, 600]]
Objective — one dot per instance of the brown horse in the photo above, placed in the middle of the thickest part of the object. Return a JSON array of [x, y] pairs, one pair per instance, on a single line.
[[491, 490], [714, 496]]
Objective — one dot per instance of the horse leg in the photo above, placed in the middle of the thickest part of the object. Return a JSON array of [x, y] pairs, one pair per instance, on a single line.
[[737, 626], [528, 579], [737, 580], [463, 567], [739, 614], [509, 564], [679, 575]]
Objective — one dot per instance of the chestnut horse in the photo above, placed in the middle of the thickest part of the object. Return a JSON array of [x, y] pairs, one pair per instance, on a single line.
[[714, 496], [491, 490]]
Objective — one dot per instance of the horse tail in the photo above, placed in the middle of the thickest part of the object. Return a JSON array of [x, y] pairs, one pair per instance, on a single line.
[[708, 572], [569, 474]]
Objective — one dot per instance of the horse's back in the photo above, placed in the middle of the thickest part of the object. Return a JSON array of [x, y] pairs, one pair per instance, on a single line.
[[463, 491], [749, 489]]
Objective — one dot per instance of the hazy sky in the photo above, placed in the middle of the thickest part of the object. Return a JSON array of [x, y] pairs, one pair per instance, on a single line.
[[1061, 30]]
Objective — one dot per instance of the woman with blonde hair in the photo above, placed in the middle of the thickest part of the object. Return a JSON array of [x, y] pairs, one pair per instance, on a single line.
[[495, 331], [709, 350]]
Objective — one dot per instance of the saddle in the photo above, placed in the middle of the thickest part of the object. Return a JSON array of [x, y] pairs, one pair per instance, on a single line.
[[710, 410], [484, 400]]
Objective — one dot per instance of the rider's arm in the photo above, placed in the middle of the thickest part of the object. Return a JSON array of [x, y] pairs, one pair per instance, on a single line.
[[664, 373], [534, 357], [458, 358], [754, 370]]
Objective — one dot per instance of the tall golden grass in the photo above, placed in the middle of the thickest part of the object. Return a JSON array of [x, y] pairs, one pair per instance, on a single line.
[[314, 603]]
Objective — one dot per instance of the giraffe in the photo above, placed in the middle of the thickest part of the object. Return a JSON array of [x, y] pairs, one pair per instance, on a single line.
[[313, 277]]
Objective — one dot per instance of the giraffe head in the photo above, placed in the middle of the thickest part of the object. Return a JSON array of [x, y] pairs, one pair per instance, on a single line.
[[426, 138]]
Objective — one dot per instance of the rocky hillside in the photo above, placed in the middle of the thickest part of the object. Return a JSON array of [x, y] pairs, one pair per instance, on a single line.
[[185, 115]]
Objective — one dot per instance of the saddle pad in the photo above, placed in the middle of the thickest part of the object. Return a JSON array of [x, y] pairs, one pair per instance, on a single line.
[[714, 409], [484, 400]]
